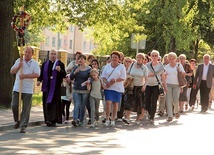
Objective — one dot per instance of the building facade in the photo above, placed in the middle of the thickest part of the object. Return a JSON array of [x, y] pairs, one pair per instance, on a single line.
[[72, 41]]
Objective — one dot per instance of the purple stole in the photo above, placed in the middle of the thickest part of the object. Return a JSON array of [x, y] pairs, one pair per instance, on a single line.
[[52, 78]]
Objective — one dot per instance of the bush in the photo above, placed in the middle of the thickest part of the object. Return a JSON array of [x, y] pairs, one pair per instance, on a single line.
[[37, 99]]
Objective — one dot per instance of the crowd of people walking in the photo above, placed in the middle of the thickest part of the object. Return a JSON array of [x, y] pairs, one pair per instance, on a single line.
[[123, 85]]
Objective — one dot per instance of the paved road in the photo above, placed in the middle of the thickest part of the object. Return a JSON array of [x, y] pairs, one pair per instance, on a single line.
[[191, 134]]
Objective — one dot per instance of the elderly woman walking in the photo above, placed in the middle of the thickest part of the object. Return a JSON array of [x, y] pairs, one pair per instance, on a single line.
[[156, 76], [134, 102], [173, 88], [113, 76]]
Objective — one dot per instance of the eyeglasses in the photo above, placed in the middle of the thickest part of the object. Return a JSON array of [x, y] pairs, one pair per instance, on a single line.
[[94, 63], [127, 61]]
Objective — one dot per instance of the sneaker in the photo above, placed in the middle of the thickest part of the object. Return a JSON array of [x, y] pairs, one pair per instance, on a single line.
[[92, 126], [112, 123], [107, 123], [80, 124], [23, 130], [89, 121], [137, 122], [66, 122], [151, 121], [104, 120], [95, 123], [74, 123], [127, 121], [16, 126], [63, 118], [119, 120], [191, 108]]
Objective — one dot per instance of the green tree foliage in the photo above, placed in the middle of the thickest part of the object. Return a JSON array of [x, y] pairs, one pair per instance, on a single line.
[[169, 25]]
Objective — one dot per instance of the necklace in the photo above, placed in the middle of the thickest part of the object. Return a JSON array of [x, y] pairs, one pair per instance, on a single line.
[[28, 63]]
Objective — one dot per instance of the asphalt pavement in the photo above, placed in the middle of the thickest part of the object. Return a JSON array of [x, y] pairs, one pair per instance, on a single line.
[[191, 134], [36, 117], [7, 122]]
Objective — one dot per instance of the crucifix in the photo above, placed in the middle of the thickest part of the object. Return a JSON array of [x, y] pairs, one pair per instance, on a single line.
[[24, 20]]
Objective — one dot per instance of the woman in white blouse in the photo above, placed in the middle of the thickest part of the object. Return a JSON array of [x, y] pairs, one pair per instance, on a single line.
[[173, 88], [113, 76]]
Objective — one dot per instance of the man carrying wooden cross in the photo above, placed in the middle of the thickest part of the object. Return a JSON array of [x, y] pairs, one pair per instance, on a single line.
[[30, 70]]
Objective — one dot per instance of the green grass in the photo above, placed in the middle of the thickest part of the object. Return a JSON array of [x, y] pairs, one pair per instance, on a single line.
[[37, 99]]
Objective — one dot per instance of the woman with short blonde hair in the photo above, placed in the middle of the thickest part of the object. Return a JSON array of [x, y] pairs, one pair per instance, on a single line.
[[135, 101], [156, 76], [173, 88]]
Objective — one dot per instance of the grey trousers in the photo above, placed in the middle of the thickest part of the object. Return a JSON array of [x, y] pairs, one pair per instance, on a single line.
[[26, 107], [172, 99], [95, 104]]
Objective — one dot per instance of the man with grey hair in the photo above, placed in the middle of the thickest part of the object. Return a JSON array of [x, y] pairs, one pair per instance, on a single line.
[[52, 74], [203, 80], [30, 70]]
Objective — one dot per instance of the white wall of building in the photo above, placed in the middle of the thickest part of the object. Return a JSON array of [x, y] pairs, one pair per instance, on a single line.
[[72, 41]]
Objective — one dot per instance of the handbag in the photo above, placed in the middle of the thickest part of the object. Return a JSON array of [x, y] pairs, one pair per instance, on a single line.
[[161, 90], [181, 79], [129, 82]]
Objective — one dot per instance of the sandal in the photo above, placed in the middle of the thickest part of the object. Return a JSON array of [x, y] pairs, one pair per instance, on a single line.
[[186, 107], [160, 113], [177, 115], [169, 119]]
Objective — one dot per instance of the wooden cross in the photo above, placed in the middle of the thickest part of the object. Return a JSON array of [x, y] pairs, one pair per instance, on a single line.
[[21, 60]]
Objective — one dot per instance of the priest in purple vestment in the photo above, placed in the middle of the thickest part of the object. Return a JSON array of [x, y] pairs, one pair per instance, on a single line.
[[52, 74]]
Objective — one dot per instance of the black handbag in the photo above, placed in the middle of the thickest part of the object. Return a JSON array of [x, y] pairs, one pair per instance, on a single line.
[[161, 90]]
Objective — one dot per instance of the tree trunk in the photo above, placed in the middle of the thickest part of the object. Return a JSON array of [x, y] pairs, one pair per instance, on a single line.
[[196, 49], [9, 51], [172, 46]]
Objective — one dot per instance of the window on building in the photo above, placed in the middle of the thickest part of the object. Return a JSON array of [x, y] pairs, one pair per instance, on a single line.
[[71, 28], [90, 45], [47, 41], [70, 44], [84, 46], [53, 41], [60, 43], [65, 42]]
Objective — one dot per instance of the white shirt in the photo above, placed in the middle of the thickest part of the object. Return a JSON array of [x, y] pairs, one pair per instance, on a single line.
[[29, 67], [119, 72], [172, 74], [205, 70]]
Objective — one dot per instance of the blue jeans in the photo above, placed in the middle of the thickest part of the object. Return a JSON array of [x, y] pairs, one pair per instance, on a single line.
[[80, 101]]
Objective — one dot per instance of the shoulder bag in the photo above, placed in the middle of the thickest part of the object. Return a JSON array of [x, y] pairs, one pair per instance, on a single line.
[[181, 79], [161, 90], [129, 82]]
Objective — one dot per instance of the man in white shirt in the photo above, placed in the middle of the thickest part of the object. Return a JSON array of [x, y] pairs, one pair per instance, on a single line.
[[30, 70], [203, 80]]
